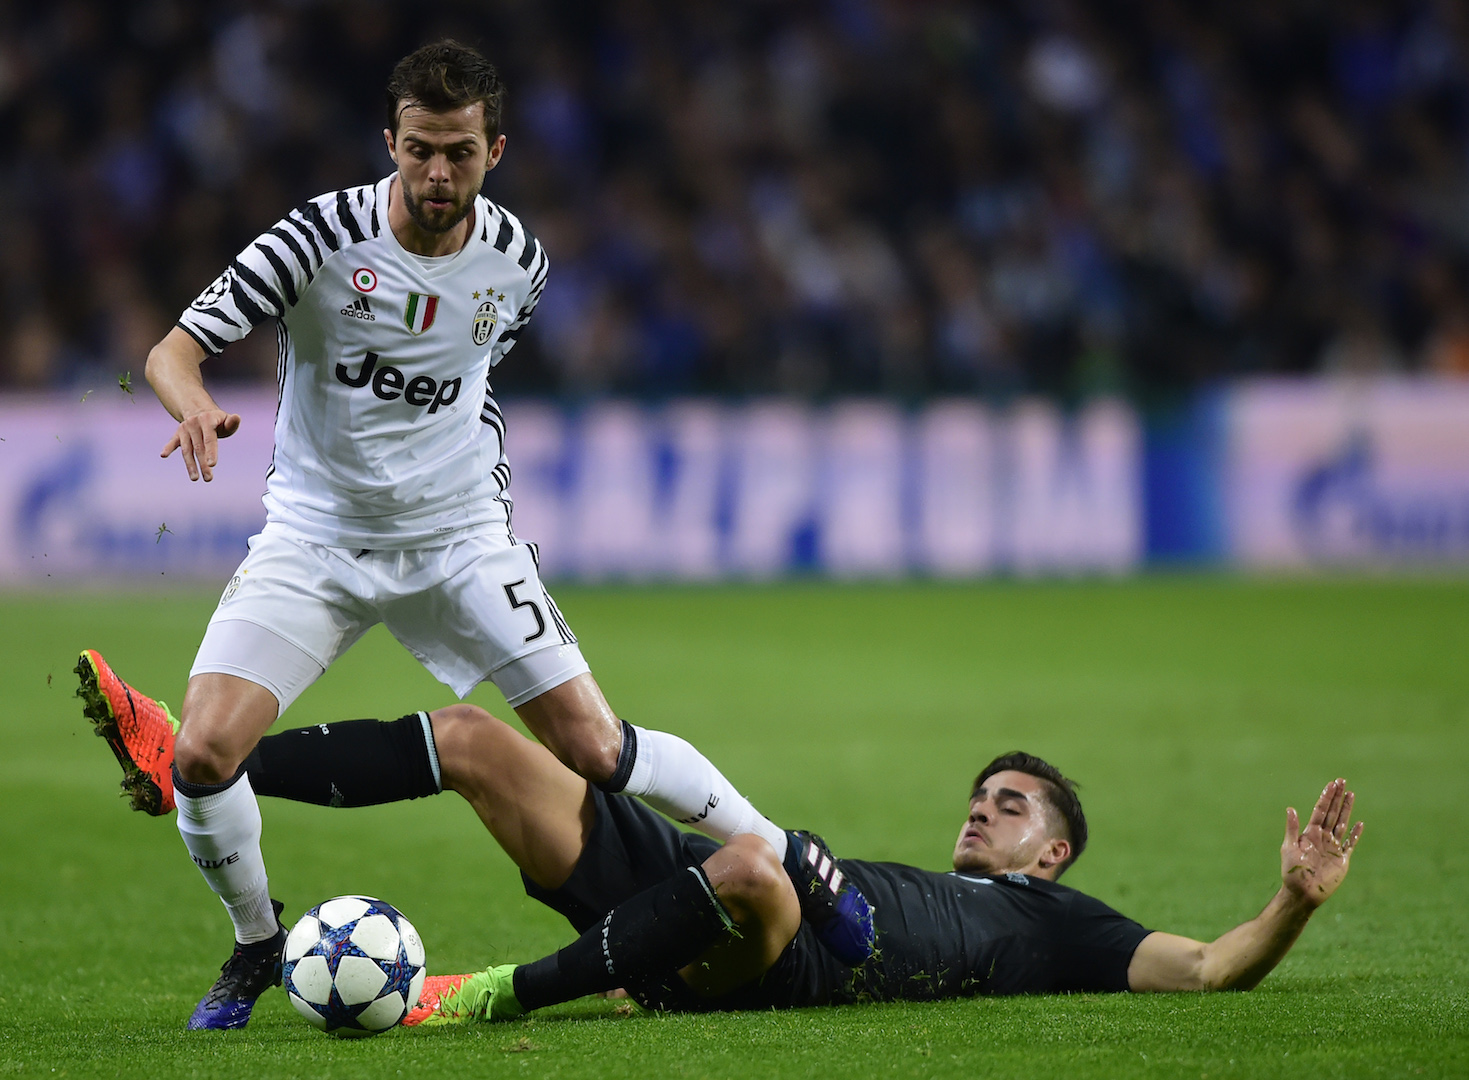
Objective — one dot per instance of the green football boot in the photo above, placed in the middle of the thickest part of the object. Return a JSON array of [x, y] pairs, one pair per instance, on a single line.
[[463, 999]]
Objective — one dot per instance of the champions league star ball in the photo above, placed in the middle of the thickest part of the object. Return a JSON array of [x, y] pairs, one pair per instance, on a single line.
[[353, 966]]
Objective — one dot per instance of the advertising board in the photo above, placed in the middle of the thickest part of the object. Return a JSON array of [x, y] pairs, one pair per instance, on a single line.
[[692, 490], [1347, 472]]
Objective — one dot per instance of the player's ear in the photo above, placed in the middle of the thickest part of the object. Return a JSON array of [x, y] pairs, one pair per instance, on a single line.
[[1057, 851], [497, 148], [392, 144]]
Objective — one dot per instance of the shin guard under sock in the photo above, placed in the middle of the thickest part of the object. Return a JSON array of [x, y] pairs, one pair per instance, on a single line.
[[647, 937], [220, 824], [348, 763]]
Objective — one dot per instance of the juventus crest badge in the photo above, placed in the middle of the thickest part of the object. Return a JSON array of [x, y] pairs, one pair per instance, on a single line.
[[485, 318]]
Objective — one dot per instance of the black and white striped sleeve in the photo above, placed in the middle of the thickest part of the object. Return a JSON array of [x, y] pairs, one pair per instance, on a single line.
[[516, 241], [273, 272]]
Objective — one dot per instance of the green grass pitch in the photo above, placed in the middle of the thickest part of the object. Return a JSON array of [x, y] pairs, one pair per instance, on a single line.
[[1192, 709]]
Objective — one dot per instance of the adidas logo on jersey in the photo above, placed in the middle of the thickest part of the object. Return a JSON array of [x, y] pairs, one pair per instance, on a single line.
[[359, 309]]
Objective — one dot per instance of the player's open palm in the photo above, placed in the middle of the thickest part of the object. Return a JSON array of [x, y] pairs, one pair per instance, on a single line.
[[1314, 860]]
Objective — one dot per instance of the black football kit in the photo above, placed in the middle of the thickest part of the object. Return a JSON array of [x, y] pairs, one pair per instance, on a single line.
[[939, 935]]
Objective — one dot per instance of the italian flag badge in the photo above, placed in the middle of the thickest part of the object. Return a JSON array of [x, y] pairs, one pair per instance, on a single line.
[[418, 316]]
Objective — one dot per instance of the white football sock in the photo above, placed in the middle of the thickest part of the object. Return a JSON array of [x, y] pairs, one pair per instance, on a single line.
[[675, 779], [222, 832]]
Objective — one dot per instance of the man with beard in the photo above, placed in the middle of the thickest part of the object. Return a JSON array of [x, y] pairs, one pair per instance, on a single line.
[[387, 501]]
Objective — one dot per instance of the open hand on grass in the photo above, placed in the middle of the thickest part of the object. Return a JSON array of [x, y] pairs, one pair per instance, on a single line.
[[1314, 861]]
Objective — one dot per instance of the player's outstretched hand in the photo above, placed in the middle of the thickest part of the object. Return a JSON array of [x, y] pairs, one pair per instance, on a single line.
[[198, 436], [1314, 860]]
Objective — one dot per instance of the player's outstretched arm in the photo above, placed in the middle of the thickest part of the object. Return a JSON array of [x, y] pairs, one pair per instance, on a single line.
[[1313, 862], [173, 372]]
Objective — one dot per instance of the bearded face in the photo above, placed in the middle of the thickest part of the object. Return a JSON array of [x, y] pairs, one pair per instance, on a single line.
[[442, 160], [437, 207]]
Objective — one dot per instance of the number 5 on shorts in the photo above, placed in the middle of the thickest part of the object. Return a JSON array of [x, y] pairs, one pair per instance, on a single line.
[[516, 602]]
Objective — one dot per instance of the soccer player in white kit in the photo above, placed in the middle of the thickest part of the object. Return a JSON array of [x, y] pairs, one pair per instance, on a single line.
[[387, 501]]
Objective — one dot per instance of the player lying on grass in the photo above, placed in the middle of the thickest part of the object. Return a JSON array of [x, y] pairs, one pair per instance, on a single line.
[[682, 922]]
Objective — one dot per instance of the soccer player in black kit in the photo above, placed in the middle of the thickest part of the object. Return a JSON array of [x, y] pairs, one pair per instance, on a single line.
[[683, 923]]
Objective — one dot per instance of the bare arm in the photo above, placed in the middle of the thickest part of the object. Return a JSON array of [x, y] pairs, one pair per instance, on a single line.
[[1313, 863], [1236, 961], [173, 372]]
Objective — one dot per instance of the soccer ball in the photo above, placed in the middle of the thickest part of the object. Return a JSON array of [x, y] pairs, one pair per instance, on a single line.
[[353, 966]]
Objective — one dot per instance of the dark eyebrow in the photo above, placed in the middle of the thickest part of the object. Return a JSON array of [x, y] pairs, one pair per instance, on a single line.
[[469, 141], [1003, 793]]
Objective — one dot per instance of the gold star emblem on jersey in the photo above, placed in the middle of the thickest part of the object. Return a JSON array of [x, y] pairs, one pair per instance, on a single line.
[[475, 294]]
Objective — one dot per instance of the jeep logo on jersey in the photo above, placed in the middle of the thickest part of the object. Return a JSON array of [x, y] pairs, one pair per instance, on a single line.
[[485, 319], [363, 279], [389, 383], [418, 314]]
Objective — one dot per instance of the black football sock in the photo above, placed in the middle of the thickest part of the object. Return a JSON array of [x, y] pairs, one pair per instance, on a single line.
[[349, 763], [654, 933]]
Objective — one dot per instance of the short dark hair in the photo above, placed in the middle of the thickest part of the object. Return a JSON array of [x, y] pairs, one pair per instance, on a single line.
[[446, 75], [1059, 791]]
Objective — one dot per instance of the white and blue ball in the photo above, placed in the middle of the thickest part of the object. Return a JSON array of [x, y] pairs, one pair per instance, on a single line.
[[353, 966]]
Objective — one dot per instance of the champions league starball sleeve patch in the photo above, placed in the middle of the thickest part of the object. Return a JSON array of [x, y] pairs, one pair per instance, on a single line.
[[215, 293]]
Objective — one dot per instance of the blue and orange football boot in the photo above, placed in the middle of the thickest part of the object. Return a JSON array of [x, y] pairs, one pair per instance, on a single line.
[[139, 730]]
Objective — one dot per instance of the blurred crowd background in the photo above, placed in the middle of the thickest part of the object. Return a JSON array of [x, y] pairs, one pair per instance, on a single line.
[[811, 197]]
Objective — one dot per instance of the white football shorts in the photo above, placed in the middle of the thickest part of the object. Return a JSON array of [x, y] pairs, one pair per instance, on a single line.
[[472, 610]]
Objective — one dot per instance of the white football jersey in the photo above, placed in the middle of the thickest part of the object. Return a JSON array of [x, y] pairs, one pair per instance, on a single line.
[[386, 434]]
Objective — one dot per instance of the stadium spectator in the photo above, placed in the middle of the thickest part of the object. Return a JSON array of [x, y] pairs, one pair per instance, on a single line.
[[802, 196]]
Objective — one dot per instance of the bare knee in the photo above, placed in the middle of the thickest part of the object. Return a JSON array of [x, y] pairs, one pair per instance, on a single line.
[[750, 881], [466, 740], [576, 724], [587, 746], [590, 752], [205, 756], [457, 725], [223, 718]]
